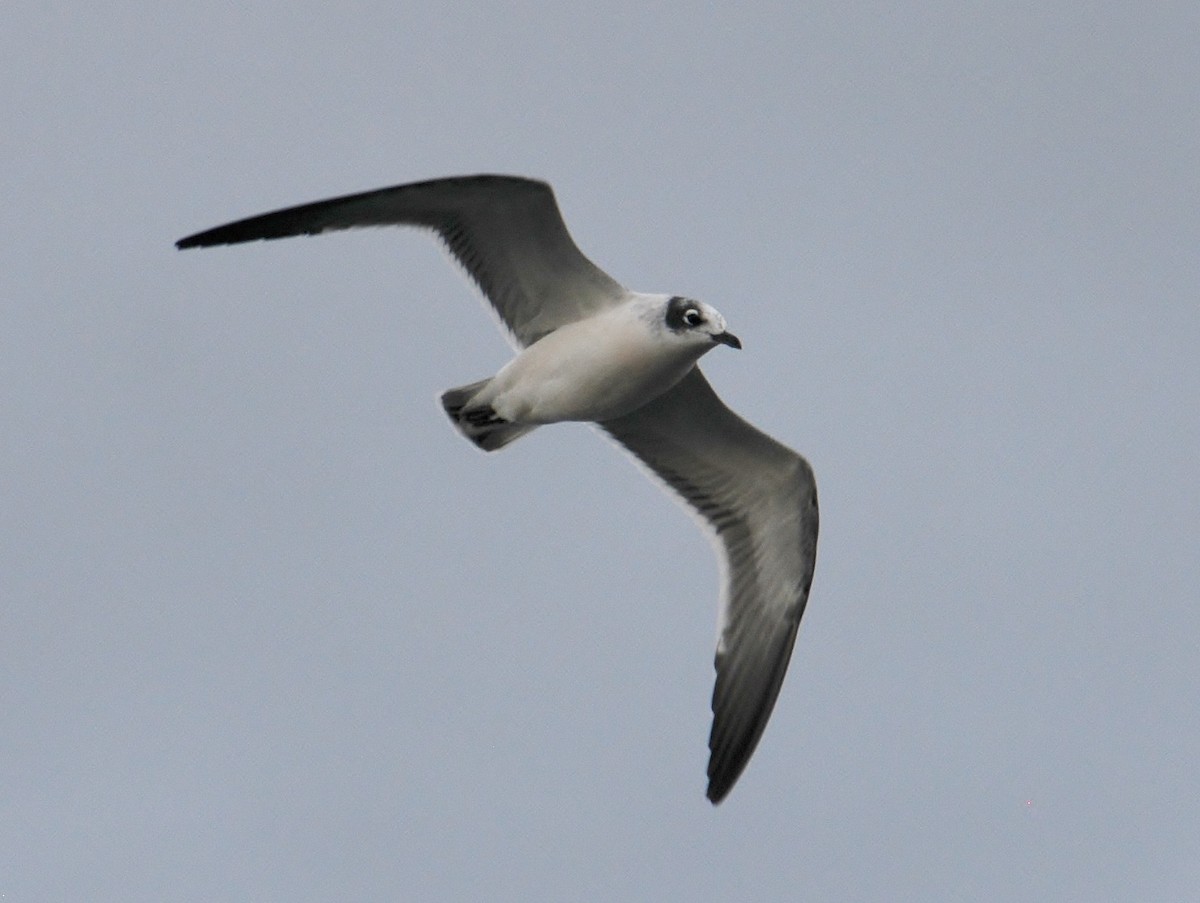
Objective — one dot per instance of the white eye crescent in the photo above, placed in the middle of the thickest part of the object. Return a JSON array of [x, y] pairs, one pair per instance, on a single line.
[[693, 318]]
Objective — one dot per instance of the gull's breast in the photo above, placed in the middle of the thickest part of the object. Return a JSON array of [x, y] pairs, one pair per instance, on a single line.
[[595, 369]]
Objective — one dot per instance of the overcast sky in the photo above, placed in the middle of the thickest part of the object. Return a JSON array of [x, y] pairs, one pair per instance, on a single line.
[[270, 630]]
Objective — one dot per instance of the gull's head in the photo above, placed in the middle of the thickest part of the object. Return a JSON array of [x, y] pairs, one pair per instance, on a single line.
[[697, 324]]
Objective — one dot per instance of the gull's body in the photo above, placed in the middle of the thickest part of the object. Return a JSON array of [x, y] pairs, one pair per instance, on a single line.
[[591, 350], [593, 370]]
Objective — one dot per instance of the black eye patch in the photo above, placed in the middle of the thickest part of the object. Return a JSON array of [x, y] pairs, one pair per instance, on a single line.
[[683, 314]]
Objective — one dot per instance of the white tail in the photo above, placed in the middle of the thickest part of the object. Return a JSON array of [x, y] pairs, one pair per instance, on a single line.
[[480, 423]]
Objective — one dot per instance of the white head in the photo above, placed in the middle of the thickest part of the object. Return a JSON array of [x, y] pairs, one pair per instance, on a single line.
[[697, 324]]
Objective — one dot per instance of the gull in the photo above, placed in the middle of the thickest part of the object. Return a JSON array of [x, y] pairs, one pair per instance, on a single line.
[[590, 350]]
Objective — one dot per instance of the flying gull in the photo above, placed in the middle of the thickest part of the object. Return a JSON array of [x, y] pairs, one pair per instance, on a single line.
[[591, 350]]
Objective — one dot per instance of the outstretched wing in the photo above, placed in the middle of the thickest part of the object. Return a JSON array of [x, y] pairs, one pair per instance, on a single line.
[[506, 232], [760, 500]]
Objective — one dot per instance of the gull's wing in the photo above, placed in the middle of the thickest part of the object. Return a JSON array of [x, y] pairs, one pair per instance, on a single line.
[[760, 501], [505, 231]]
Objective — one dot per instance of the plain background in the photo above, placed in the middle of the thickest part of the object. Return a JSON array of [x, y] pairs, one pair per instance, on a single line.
[[270, 630]]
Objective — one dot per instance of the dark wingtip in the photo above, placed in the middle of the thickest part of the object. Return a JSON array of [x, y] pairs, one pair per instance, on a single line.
[[199, 240], [721, 778], [222, 235]]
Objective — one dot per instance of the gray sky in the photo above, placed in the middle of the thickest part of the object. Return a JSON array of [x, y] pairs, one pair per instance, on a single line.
[[271, 630]]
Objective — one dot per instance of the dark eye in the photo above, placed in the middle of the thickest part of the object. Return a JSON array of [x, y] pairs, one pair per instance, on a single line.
[[693, 318]]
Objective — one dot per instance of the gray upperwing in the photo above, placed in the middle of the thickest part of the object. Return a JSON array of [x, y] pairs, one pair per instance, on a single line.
[[505, 231], [759, 499]]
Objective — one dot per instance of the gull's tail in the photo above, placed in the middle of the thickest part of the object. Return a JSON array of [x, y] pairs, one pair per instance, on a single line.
[[480, 423]]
